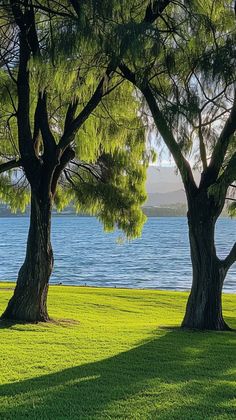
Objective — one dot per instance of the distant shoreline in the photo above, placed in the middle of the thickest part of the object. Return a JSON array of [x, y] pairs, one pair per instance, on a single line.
[[169, 210], [25, 216], [152, 211], [17, 216], [160, 289]]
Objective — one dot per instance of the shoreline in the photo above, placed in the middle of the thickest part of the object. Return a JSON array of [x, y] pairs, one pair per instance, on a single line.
[[84, 286], [62, 215]]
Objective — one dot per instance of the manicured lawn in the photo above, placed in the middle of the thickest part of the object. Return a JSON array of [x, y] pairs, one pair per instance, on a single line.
[[116, 354]]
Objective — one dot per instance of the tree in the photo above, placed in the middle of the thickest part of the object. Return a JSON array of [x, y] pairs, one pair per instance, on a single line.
[[58, 69], [187, 79]]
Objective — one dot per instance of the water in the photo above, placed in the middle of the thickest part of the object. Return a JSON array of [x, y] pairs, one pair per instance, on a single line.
[[85, 254]]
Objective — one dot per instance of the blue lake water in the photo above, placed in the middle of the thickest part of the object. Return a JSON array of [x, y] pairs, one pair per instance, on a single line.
[[85, 254]]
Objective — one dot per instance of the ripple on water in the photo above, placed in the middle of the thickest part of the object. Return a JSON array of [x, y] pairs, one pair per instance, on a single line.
[[85, 254]]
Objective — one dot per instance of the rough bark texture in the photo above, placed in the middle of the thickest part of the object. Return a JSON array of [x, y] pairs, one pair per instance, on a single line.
[[29, 302], [204, 307]]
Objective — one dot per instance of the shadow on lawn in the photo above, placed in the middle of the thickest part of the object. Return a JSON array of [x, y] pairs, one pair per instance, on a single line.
[[179, 375]]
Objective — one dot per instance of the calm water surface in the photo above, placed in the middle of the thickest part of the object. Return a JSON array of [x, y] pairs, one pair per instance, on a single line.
[[85, 254]]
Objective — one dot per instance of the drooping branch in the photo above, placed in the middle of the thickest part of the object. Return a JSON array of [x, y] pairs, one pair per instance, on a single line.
[[74, 173], [92, 169], [55, 12], [163, 128], [67, 176], [153, 10], [12, 100], [12, 164]]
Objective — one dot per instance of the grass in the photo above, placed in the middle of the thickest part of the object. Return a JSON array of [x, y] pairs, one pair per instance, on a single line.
[[116, 354]]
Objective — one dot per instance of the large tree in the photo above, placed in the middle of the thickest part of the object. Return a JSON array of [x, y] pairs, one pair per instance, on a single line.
[[57, 69], [187, 78]]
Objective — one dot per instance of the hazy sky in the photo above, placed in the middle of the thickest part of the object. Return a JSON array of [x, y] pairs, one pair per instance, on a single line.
[[164, 179]]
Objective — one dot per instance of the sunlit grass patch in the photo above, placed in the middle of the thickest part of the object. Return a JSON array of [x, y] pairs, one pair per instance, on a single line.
[[116, 353]]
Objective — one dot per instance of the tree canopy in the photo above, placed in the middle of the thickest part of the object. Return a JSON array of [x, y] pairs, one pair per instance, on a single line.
[[190, 70], [69, 57]]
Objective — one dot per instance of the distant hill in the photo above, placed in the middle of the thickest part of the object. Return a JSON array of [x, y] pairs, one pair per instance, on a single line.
[[161, 199], [166, 196], [170, 211], [165, 179]]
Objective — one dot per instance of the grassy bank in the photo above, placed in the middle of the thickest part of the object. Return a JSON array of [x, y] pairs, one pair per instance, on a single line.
[[113, 353]]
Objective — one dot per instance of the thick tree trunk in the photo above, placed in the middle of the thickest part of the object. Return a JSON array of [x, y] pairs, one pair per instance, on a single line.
[[204, 307], [29, 302]]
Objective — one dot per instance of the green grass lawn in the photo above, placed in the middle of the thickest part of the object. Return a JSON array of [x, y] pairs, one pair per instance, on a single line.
[[116, 354]]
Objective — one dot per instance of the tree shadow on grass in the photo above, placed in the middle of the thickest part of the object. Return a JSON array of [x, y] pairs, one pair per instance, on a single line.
[[178, 375], [62, 322], [8, 323]]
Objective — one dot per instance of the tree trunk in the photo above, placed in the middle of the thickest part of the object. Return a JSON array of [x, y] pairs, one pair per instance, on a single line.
[[204, 307], [29, 302]]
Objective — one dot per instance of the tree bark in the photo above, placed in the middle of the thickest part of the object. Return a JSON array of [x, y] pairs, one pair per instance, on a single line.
[[204, 307], [29, 302]]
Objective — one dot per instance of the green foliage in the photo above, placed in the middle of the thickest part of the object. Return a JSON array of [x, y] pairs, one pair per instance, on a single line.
[[189, 63], [13, 193], [108, 178], [74, 51], [194, 63], [63, 198], [118, 149], [187, 56]]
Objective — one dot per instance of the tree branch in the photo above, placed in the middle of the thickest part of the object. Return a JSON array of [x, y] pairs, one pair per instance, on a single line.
[[202, 145], [230, 259], [230, 198], [222, 144], [165, 131], [23, 89], [153, 11], [89, 168], [49, 142], [71, 129], [70, 114], [229, 174], [54, 12], [67, 155], [12, 164], [69, 179]]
